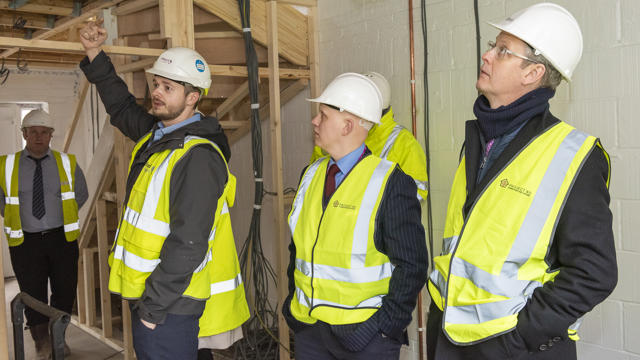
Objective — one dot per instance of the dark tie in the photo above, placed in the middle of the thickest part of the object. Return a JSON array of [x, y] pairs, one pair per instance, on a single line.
[[38, 190], [330, 184]]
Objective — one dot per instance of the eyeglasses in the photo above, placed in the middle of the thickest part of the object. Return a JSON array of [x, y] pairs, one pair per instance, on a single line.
[[503, 51]]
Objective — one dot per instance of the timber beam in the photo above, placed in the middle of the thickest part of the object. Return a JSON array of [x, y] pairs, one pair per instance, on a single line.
[[133, 6], [67, 23], [38, 8], [74, 47]]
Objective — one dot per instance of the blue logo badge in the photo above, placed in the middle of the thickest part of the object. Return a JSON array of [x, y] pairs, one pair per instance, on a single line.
[[199, 65]]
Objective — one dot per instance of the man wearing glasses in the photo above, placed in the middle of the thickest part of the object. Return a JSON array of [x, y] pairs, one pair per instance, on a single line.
[[528, 246]]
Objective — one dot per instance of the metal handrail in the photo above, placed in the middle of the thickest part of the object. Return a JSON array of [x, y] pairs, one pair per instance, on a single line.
[[58, 322]]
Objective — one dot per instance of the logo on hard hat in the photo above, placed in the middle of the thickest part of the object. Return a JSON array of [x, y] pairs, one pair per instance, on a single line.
[[165, 60], [200, 65]]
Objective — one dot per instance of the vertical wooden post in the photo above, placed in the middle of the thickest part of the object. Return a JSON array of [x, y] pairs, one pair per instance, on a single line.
[[314, 57], [103, 249], [80, 294], [4, 342], [275, 126], [89, 286], [176, 22]]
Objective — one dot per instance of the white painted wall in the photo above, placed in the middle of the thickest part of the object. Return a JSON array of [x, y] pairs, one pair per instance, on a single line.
[[362, 35]]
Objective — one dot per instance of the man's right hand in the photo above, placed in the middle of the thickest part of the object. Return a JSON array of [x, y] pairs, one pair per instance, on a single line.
[[92, 36]]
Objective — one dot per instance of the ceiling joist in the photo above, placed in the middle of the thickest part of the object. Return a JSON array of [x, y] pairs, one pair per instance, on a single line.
[[66, 23], [74, 47], [133, 6], [38, 7]]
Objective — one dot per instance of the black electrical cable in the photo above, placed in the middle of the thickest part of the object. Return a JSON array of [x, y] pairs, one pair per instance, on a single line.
[[425, 72], [259, 341], [4, 73], [21, 63], [476, 14]]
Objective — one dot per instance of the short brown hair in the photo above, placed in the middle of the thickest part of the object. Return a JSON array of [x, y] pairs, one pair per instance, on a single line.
[[188, 89]]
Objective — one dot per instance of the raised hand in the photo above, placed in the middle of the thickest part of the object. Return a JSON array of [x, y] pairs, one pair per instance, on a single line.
[[92, 36]]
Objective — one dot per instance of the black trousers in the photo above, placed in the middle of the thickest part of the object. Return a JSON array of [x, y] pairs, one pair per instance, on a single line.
[[317, 342], [175, 339], [509, 346], [42, 258]]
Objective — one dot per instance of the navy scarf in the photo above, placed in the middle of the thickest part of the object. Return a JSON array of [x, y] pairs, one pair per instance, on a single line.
[[496, 122]]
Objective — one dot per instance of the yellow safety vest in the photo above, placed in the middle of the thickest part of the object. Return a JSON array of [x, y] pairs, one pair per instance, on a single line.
[[340, 276], [392, 142], [227, 307], [145, 226], [9, 165], [493, 260]]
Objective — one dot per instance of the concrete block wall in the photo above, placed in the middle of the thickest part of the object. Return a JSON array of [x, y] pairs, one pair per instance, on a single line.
[[363, 35]]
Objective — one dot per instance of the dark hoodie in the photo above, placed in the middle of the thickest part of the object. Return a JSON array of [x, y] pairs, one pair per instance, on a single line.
[[197, 181]]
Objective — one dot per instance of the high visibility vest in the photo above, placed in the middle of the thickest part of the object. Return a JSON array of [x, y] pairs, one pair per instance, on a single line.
[[493, 260], [340, 276], [227, 307], [145, 225], [9, 166], [393, 142]]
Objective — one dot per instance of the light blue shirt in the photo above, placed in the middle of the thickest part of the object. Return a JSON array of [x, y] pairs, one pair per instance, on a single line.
[[346, 163], [162, 131]]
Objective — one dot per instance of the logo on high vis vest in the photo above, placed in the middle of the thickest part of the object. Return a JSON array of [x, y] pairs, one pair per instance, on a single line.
[[199, 65], [504, 183], [338, 204]]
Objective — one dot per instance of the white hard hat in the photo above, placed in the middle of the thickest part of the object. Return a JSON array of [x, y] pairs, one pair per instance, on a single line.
[[354, 93], [185, 65], [37, 118], [383, 85], [552, 31]]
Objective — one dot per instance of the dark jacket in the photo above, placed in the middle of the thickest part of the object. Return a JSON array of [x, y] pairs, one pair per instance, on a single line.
[[197, 181], [399, 234], [582, 249]]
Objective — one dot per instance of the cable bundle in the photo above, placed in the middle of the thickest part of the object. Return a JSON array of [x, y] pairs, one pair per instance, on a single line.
[[259, 341]]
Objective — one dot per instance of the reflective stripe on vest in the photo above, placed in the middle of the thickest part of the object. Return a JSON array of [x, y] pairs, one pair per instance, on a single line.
[[227, 285], [501, 293], [8, 170], [355, 270], [390, 141]]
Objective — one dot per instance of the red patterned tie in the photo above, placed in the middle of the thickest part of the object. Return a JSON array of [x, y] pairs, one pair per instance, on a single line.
[[330, 184]]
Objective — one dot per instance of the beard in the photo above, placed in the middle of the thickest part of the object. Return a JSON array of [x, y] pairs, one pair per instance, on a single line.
[[171, 112]]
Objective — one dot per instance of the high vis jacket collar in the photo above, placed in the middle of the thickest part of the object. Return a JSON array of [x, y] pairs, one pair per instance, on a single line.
[[9, 170], [340, 276], [493, 260]]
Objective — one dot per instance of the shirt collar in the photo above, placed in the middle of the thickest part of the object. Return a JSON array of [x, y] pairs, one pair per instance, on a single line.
[[174, 127], [347, 162], [26, 153], [162, 131]]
